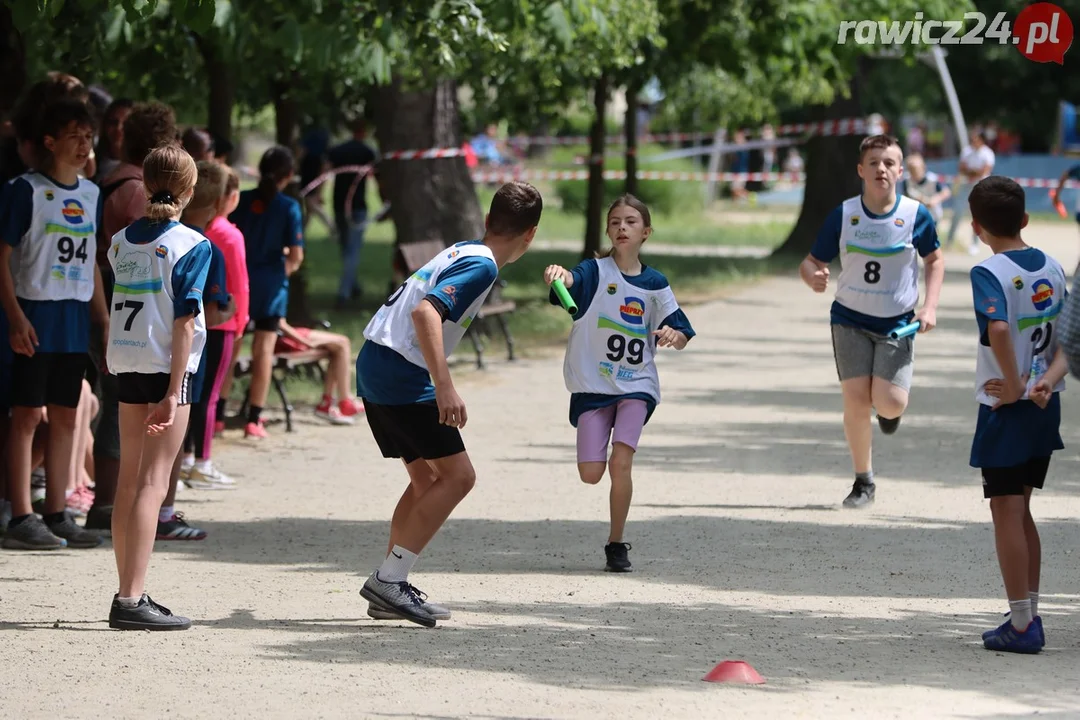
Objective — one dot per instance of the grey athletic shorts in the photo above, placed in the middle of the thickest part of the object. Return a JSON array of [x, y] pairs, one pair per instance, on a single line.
[[861, 353]]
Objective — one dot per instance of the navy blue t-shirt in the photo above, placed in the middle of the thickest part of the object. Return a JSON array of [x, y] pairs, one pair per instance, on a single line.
[[582, 291], [385, 377], [269, 228], [827, 248], [61, 326], [1020, 431]]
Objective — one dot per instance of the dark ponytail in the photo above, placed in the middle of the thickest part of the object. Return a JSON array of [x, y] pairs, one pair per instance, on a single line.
[[277, 164]]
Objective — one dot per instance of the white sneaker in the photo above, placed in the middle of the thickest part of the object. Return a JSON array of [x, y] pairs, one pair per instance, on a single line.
[[333, 416], [209, 478]]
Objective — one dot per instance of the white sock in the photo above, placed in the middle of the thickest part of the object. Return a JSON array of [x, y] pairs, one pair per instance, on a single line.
[[1020, 614], [1034, 598], [188, 460], [396, 566], [166, 512], [129, 602], [203, 465]]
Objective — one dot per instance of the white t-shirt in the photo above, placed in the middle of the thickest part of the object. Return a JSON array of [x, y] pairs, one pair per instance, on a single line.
[[976, 158]]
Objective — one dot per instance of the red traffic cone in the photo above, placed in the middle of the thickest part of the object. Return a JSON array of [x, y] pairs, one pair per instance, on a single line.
[[734, 671]]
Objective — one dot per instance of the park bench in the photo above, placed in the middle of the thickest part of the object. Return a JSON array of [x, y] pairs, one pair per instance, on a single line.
[[286, 366], [495, 307]]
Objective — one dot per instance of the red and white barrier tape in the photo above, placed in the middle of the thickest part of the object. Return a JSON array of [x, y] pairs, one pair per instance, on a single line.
[[505, 176], [845, 126], [428, 154]]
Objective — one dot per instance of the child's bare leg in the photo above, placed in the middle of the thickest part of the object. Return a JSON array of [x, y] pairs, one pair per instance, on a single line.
[[890, 401], [857, 427], [622, 488], [421, 478], [24, 423], [151, 486], [59, 458], [1010, 538], [456, 478], [132, 435], [337, 376], [1034, 548], [174, 478], [262, 359]]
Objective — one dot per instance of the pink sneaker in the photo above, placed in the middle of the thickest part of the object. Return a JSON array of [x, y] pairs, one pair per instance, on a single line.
[[255, 430], [350, 407]]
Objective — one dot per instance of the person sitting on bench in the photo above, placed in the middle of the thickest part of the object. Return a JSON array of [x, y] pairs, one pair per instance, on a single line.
[[337, 382]]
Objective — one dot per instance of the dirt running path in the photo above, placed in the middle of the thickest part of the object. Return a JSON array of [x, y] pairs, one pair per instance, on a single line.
[[741, 551]]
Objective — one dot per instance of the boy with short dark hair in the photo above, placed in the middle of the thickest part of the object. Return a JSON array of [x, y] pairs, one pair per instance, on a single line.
[[413, 410], [1018, 292], [879, 237], [48, 283]]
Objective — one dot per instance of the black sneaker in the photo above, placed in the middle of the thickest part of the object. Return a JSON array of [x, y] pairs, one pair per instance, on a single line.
[[31, 534], [147, 615], [99, 520], [76, 536], [617, 558], [888, 425], [861, 495], [5, 515], [398, 597]]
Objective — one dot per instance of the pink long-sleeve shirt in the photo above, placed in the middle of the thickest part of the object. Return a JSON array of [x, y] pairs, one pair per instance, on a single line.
[[228, 238]]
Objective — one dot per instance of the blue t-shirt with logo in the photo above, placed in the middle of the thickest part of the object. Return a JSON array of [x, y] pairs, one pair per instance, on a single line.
[[827, 248], [385, 377], [1020, 431]]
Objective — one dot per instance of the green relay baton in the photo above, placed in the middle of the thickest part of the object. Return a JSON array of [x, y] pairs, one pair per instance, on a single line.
[[564, 296]]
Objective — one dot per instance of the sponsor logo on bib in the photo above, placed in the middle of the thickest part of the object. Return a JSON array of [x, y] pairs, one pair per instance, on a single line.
[[633, 310], [49, 195], [607, 369], [1042, 294], [161, 251], [73, 211], [612, 289], [453, 254], [854, 219], [1018, 282], [134, 264], [898, 222]]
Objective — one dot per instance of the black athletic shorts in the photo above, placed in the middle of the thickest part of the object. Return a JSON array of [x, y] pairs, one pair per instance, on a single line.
[[149, 388], [1001, 481], [47, 379], [268, 324], [411, 432]]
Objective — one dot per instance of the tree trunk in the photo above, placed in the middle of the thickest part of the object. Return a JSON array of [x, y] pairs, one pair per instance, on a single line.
[[13, 70], [432, 202], [830, 164], [594, 222], [221, 90], [286, 115], [630, 126]]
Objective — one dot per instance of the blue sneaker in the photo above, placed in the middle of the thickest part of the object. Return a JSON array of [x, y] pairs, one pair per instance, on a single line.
[[1007, 639], [1037, 622]]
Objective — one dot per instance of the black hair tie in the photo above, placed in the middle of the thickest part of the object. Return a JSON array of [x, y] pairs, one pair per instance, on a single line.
[[163, 197]]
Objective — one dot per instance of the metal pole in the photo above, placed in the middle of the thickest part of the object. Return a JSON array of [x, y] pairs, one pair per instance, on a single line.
[[950, 93]]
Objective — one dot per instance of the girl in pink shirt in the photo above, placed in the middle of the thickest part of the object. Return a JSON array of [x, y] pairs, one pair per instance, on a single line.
[[197, 470]]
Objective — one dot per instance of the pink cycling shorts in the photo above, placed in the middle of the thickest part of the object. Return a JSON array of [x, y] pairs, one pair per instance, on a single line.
[[619, 422]]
